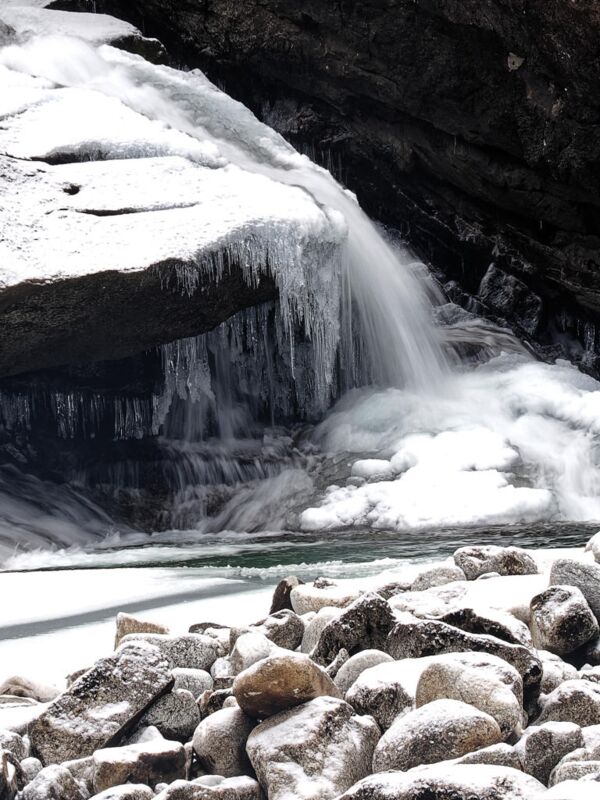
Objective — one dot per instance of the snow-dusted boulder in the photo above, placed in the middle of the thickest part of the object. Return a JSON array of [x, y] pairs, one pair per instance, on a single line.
[[584, 576], [490, 621], [222, 673], [320, 594], [176, 715], [54, 783], [356, 665], [284, 628], [575, 701], [102, 704], [497, 755], [220, 742], [212, 787], [554, 671], [364, 625], [441, 781], [315, 626], [189, 651], [195, 681], [437, 575], [127, 624], [484, 681], [148, 762], [438, 731], [575, 771], [281, 682], [130, 791], [479, 560], [315, 751], [281, 596], [542, 746], [561, 620], [18, 686], [15, 744], [250, 648]]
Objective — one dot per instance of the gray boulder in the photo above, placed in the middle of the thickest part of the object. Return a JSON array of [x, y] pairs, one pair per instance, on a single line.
[[17, 686], [317, 750], [575, 701], [213, 787], [356, 665], [250, 648], [575, 771], [285, 628], [176, 715], [315, 626], [496, 755], [195, 681], [220, 742], [149, 763], [130, 791], [190, 651], [15, 744], [281, 682], [479, 560], [281, 596], [448, 782], [102, 705], [542, 746], [491, 622], [127, 624], [586, 577], [54, 783], [441, 730], [554, 671], [437, 575], [561, 620]]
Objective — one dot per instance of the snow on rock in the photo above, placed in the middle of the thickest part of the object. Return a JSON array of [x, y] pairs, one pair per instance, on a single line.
[[150, 762], [321, 594], [561, 620], [356, 665], [315, 751], [213, 787], [27, 20], [54, 783], [541, 747], [192, 650], [220, 742], [130, 791], [477, 561], [575, 701]]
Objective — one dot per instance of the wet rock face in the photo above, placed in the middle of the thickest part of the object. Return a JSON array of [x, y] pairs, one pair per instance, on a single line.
[[473, 126]]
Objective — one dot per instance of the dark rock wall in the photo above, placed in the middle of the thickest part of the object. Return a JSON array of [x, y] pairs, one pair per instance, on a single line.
[[472, 125]]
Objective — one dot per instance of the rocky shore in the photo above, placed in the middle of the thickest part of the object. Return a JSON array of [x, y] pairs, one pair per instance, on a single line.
[[473, 678]]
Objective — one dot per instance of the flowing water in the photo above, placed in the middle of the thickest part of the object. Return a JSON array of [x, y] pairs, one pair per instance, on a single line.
[[339, 428]]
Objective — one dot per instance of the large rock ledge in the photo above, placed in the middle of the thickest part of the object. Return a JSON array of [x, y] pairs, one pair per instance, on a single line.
[[473, 125]]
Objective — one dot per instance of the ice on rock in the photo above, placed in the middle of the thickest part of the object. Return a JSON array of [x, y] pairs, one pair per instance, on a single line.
[[30, 18]]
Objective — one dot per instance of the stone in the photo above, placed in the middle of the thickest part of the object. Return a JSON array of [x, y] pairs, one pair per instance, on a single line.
[[561, 620], [131, 791], [554, 671], [250, 648], [413, 638], [149, 763], [338, 662], [356, 665], [584, 576], [315, 627], [16, 686], [145, 733], [127, 624], [542, 746], [195, 681], [364, 625], [282, 594], [490, 621], [15, 744], [497, 755], [279, 683], [213, 787], [190, 651], [437, 575], [54, 783], [575, 701], [176, 715], [209, 702], [102, 705], [11, 775], [315, 751], [478, 560], [31, 767], [222, 673], [481, 680], [440, 730], [220, 742], [591, 653], [285, 628], [575, 771], [321, 594], [448, 782]]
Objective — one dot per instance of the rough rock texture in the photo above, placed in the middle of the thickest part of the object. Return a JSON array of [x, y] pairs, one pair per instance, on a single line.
[[213, 787], [356, 665], [315, 751], [284, 628], [542, 747], [54, 783], [477, 561], [314, 627], [220, 742], [176, 715], [561, 620], [149, 763], [585, 577], [448, 782], [190, 651], [132, 791], [575, 701], [438, 731], [102, 704], [472, 125], [281, 682], [127, 624], [195, 681], [23, 687], [490, 621]]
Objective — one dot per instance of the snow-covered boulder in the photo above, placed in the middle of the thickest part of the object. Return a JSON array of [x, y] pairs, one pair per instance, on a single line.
[[584, 576], [575, 701], [479, 560], [102, 704], [490, 621], [438, 731], [130, 791], [561, 620], [356, 665], [320, 594], [315, 751], [149, 762], [437, 575], [127, 624], [284, 628], [220, 742], [315, 626], [554, 671], [189, 651], [542, 746], [176, 715], [54, 782], [250, 648], [281, 682], [195, 681], [212, 787], [575, 771], [18, 686]]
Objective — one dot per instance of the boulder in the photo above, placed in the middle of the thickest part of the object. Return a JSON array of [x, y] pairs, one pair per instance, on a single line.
[[554, 671], [220, 742], [575, 701], [542, 746], [364, 625], [190, 651], [315, 751], [222, 673], [131, 791], [479, 560], [101, 705], [250, 648], [212, 787], [127, 624], [17, 686], [315, 626], [54, 783], [209, 702], [321, 594], [484, 681], [148, 763], [498, 755], [437, 575], [448, 782], [414, 638], [145, 733], [11, 775], [279, 683], [285, 628], [338, 662], [195, 681], [356, 665], [282, 594], [561, 620], [584, 576], [575, 771], [438, 731], [15, 744], [176, 715], [490, 621], [31, 767]]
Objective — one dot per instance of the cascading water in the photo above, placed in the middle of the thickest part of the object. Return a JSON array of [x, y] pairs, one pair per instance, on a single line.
[[411, 443]]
